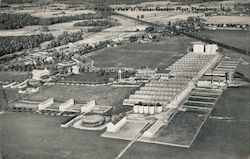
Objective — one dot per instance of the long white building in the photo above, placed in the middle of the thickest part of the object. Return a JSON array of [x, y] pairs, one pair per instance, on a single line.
[[182, 77]]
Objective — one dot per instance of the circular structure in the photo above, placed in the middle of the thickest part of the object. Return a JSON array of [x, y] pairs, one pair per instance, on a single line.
[[92, 120]]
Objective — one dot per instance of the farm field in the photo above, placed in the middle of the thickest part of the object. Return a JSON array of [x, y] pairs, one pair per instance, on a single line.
[[126, 29], [51, 14], [228, 37], [104, 95], [55, 29], [135, 55], [160, 17], [40, 12]]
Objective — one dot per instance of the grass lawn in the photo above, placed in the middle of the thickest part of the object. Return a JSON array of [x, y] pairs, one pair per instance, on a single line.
[[154, 55], [228, 20], [32, 136], [205, 105], [104, 95], [234, 102], [13, 76], [237, 38], [8, 95], [90, 77], [182, 128]]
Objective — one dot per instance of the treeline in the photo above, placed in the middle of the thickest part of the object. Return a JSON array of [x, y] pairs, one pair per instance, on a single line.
[[10, 44], [65, 38], [15, 21], [97, 29], [97, 25], [99, 22]]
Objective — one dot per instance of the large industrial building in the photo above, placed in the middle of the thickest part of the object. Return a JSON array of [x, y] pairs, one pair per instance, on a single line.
[[170, 89], [164, 94]]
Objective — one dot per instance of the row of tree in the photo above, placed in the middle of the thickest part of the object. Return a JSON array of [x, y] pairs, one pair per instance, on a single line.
[[98, 22], [10, 44], [15, 21], [65, 38]]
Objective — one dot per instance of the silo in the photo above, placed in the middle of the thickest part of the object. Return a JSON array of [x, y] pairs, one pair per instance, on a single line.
[[151, 110], [136, 108], [141, 109], [158, 108], [229, 76], [146, 109]]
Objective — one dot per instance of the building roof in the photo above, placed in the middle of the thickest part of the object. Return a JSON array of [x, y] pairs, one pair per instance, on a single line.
[[92, 118], [117, 118], [163, 71], [198, 43]]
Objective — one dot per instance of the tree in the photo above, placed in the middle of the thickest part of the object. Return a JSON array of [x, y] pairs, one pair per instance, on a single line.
[[133, 38], [158, 104]]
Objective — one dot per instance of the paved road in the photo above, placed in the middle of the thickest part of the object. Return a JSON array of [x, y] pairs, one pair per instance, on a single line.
[[137, 136]]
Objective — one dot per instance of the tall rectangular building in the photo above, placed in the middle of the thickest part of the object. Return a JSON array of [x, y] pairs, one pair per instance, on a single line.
[[198, 47]]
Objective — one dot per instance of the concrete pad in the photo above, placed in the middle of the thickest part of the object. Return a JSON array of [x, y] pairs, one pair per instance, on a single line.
[[128, 131]]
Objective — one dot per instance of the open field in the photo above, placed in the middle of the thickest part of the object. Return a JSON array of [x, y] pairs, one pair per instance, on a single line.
[[90, 77], [59, 142], [104, 95], [126, 29], [234, 102], [55, 29], [160, 17], [8, 95], [28, 30], [181, 130], [237, 38], [42, 13], [135, 55], [50, 14], [227, 3], [12, 76], [228, 20]]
